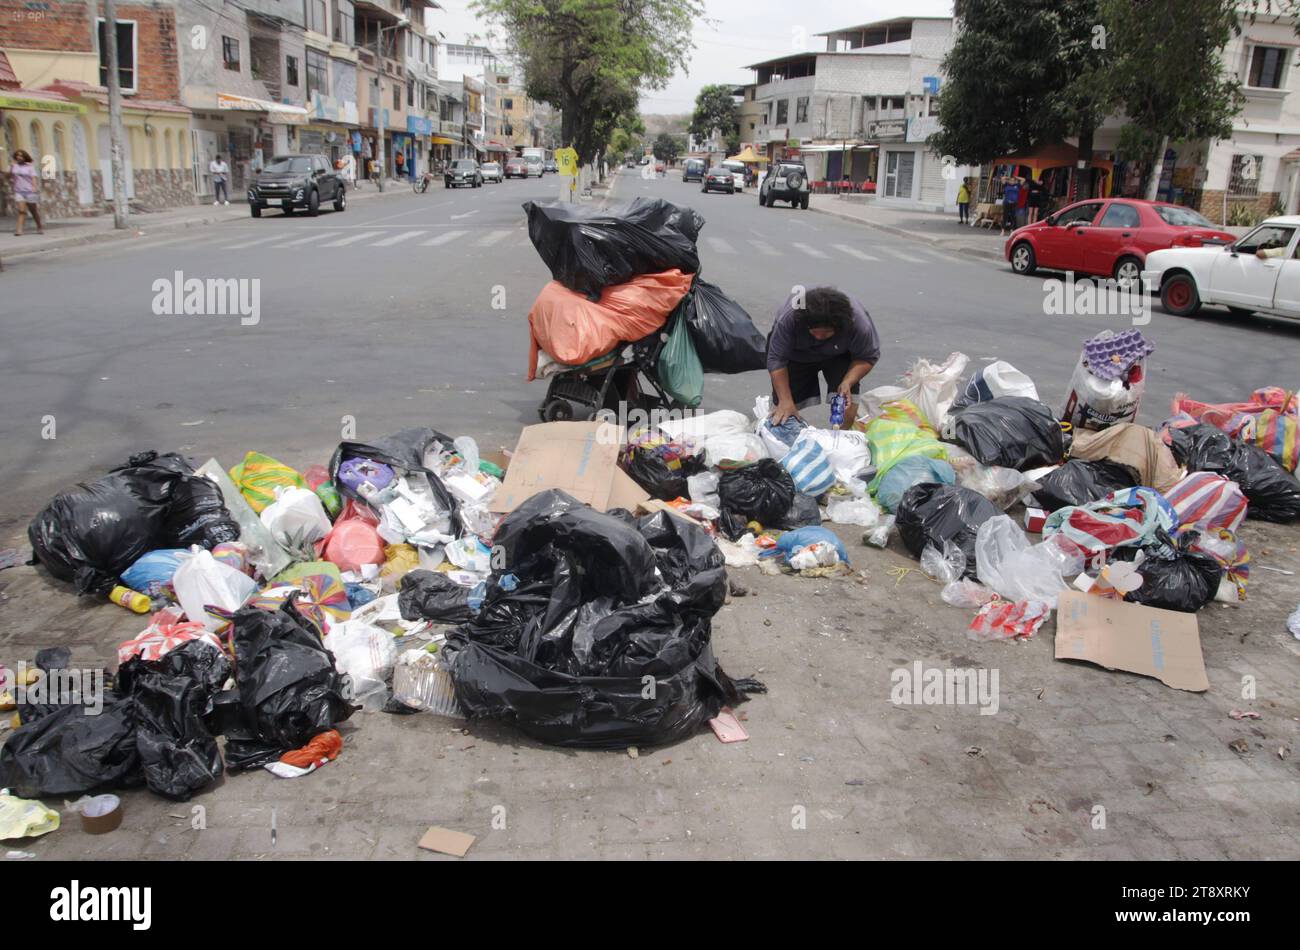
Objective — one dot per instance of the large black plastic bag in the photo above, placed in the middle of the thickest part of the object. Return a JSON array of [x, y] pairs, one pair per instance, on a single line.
[[431, 595], [1011, 431], [932, 514], [89, 534], [288, 690], [763, 492], [71, 751], [1272, 492], [1174, 577], [655, 475], [1078, 482], [804, 511], [404, 449], [588, 250], [174, 698], [724, 335]]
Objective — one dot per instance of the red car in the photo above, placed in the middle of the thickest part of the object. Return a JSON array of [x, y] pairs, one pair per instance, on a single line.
[[1108, 237], [515, 168]]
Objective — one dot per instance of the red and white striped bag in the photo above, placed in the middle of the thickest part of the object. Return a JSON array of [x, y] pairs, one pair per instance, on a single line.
[[1208, 501]]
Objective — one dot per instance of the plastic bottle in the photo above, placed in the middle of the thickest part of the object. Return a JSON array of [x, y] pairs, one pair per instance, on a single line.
[[839, 406], [130, 599]]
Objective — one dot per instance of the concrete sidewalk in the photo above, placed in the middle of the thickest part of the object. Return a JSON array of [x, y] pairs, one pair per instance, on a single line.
[[71, 232], [935, 228]]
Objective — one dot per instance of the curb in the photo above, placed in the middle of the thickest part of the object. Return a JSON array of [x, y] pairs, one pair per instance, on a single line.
[[134, 231], [968, 250]]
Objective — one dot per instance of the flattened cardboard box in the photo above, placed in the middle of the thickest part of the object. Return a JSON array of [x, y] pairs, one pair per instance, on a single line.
[[1164, 644], [579, 457]]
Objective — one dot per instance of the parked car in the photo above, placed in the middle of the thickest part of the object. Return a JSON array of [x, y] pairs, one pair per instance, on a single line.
[[552, 166], [660, 168], [491, 171], [534, 165], [297, 181], [463, 171], [1108, 237], [645, 160], [515, 168], [1257, 273], [693, 170], [718, 179], [788, 181], [737, 170]]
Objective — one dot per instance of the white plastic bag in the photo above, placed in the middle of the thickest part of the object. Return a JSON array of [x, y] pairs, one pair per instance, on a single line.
[[944, 566], [296, 519], [1010, 565], [1002, 486], [996, 380], [366, 653], [202, 581], [965, 592], [845, 509], [703, 489], [733, 446], [743, 552], [1095, 403], [698, 428], [931, 387], [819, 554], [470, 553], [878, 537], [848, 450]]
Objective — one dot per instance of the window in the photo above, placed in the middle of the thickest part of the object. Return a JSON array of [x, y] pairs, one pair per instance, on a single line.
[[38, 144], [1265, 238], [291, 70], [410, 93], [801, 109], [230, 53], [1079, 214], [125, 55], [1120, 215], [1244, 179], [345, 29], [782, 111], [508, 104], [934, 105], [1267, 64], [1181, 217], [317, 74], [314, 13], [397, 97]]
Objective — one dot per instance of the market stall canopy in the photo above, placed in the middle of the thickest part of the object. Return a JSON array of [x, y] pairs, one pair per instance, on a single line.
[[1059, 155], [747, 156]]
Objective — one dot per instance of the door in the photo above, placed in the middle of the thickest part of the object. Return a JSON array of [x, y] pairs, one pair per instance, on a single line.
[[1059, 245], [1240, 278], [899, 169], [1286, 295], [203, 146], [1103, 242]]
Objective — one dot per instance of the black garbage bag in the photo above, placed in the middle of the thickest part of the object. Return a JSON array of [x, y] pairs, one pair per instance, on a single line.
[[930, 513], [404, 449], [1273, 493], [724, 335], [803, 511], [288, 688], [1078, 482], [587, 250], [688, 561], [89, 534], [659, 477], [72, 750], [1011, 431], [174, 699], [1173, 576], [761, 492], [431, 595]]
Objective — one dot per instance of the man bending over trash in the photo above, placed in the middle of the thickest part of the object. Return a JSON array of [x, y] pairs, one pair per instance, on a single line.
[[819, 331]]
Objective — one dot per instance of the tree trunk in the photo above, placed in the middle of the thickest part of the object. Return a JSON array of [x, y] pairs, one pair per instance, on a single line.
[[1157, 163], [1085, 155]]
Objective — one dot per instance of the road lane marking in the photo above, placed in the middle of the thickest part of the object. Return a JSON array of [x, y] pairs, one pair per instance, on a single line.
[[904, 256], [442, 239], [807, 249], [721, 246], [764, 248], [398, 238], [862, 255], [308, 239], [353, 238], [491, 238], [261, 240], [465, 215]]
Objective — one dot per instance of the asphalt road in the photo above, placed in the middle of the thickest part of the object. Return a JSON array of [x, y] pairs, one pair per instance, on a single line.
[[384, 313]]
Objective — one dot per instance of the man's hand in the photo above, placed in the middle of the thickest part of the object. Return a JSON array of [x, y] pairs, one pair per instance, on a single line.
[[784, 411], [850, 406]]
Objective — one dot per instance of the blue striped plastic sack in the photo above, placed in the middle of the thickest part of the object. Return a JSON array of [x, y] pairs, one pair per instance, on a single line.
[[810, 468]]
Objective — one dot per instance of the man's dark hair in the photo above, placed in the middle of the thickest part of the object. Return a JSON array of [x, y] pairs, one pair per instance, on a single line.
[[827, 307]]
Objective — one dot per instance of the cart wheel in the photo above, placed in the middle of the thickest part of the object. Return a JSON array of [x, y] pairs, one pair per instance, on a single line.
[[556, 410]]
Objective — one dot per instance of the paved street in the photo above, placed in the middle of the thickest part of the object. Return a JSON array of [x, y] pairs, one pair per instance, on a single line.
[[385, 313]]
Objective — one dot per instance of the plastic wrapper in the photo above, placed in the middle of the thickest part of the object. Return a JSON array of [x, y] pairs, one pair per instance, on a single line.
[[932, 514], [297, 521], [265, 555], [202, 582], [20, 818], [913, 470], [1080, 483], [1016, 570], [429, 595], [1007, 620], [849, 510], [90, 534], [965, 592], [1013, 432], [878, 537], [406, 449], [365, 654], [1230, 553], [1002, 486], [946, 566], [703, 489], [725, 336], [587, 250], [1174, 577], [760, 492], [421, 683], [1272, 492]]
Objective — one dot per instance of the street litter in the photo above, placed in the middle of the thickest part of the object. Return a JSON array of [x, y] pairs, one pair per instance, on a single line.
[[445, 841], [1164, 644]]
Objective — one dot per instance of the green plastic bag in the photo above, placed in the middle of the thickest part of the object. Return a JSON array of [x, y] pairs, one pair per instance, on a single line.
[[258, 476], [680, 371]]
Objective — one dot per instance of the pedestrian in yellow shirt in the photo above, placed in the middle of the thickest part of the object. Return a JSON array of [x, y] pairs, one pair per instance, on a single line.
[[963, 202]]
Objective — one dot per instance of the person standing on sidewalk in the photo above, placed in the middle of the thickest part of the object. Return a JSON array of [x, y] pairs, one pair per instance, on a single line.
[[1035, 199], [1010, 202], [220, 181], [963, 202], [27, 189]]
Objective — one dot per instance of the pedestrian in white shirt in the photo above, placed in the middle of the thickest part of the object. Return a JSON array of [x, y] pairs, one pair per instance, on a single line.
[[220, 180]]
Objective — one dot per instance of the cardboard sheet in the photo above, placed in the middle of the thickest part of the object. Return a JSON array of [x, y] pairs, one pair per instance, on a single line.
[[579, 457], [446, 841]]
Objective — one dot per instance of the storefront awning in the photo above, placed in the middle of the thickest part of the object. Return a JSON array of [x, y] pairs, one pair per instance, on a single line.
[[443, 140], [277, 112]]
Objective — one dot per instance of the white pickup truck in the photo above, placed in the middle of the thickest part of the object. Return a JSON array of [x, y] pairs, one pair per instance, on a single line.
[[1257, 273]]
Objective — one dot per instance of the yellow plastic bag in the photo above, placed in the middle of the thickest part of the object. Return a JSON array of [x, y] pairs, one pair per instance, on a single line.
[[23, 818], [400, 559], [258, 476]]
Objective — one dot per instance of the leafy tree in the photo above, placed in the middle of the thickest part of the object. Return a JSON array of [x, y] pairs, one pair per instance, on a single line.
[[715, 108], [667, 147]]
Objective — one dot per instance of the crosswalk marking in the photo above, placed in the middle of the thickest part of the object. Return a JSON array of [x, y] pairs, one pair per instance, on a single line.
[[807, 249], [353, 238], [261, 240], [861, 255], [442, 239], [491, 238], [721, 246], [764, 248], [308, 239], [904, 256], [398, 238]]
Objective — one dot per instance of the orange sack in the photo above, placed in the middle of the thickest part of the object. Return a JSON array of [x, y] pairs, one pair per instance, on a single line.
[[574, 329]]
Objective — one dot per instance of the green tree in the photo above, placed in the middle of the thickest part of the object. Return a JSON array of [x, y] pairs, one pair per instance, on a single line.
[[715, 108], [590, 58], [667, 147]]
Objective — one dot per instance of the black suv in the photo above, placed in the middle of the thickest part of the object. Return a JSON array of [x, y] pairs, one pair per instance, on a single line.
[[297, 181], [788, 181], [463, 171]]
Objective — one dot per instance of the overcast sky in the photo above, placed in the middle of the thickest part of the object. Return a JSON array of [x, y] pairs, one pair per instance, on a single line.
[[737, 33]]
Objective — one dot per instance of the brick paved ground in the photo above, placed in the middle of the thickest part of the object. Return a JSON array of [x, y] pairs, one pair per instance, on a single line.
[[869, 779]]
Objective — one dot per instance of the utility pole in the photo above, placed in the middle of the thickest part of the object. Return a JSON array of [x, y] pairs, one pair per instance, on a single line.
[[379, 108], [115, 116]]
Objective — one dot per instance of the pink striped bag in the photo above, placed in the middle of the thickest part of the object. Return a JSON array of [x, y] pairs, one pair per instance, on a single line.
[[1207, 501]]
